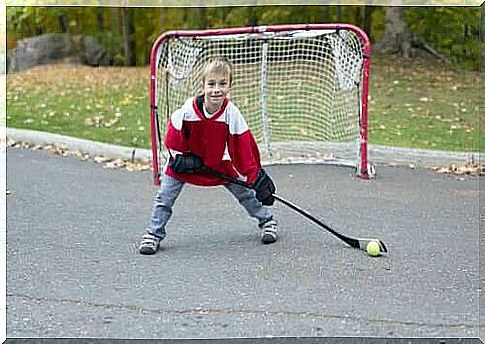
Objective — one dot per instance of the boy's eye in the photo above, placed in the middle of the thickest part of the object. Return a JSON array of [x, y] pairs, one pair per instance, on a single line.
[[213, 83]]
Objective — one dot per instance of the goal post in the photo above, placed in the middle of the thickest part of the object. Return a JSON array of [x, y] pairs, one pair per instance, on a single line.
[[303, 89]]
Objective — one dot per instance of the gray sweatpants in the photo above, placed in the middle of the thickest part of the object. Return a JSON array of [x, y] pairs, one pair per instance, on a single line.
[[170, 189]]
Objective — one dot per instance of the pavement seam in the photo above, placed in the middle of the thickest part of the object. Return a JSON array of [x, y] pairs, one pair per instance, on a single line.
[[222, 311]]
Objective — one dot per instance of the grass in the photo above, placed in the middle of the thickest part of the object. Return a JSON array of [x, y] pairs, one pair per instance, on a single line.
[[102, 104], [413, 104], [422, 105]]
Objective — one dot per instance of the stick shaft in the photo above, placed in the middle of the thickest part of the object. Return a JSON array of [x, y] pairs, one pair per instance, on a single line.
[[350, 241]]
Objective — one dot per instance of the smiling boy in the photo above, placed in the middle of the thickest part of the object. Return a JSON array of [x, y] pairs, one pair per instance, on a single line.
[[209, 130]]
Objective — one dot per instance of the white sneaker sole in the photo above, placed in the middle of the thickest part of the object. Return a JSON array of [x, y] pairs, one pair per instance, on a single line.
[[268, 238]]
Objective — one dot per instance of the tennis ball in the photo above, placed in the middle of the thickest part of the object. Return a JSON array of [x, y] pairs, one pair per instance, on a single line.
[[373, 249]]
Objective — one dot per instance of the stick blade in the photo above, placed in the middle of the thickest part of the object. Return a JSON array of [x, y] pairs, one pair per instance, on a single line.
[[364, 241]]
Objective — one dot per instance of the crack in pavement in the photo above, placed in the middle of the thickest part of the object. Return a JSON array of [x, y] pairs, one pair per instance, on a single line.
[[227, 311]]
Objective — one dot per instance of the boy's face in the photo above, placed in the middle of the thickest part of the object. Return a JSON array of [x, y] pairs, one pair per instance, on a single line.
[[216, 88]]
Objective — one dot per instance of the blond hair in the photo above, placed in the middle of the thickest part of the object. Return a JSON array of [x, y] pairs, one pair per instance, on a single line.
[[217, 65]]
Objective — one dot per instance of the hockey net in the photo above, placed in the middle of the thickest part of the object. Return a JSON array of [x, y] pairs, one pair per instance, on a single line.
[[302, 89]]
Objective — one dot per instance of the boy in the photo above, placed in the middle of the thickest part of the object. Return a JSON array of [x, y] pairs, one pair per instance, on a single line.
[[209, 131]]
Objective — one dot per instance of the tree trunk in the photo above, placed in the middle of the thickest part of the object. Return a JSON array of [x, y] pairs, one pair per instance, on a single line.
[[115, 21], [78, 25], [325, 14], [37, 29], [358, 15], [162, 17], [200, 17], [63, 22], [115, 36], [338, 14], [481, 40], [100, 18], [252, 17], [128, 29], [367, 26], [101, 26], [397, 38]]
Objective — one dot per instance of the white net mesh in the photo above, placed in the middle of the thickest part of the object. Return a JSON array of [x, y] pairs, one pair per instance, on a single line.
[[300, 91]]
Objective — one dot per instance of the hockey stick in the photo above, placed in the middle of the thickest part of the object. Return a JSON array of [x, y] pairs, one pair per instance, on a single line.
[[360, 243]]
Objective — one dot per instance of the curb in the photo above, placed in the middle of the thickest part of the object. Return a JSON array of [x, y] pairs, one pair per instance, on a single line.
[[378, 154], [420, 157], [81, 145]]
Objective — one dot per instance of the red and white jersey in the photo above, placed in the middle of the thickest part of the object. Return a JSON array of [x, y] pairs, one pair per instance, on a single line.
[[223, 141]]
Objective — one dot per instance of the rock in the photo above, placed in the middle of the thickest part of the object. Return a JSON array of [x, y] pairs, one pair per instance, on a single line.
[[55, 47]]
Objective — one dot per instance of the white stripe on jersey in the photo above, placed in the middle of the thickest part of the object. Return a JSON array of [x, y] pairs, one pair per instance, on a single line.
[[232, 117]]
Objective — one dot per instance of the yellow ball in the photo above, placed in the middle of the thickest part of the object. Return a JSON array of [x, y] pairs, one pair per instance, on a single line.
[[373, 249]]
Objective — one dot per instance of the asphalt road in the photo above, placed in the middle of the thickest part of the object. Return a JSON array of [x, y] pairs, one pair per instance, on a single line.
[[73, 269]]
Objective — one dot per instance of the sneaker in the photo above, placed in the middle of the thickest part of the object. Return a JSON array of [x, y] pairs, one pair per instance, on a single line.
[[150, 243], [269, 229]]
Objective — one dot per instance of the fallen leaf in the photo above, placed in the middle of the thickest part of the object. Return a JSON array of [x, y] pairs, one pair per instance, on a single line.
[[89, 122], [443, 170], [100, 159], [114, 164], [111, 122]]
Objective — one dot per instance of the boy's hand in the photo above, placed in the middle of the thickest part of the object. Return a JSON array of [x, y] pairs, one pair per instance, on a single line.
[[186, 163], [264, 188]]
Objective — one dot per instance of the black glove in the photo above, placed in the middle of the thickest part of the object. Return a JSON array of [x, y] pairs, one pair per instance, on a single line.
[[186, 163], [264, 188]]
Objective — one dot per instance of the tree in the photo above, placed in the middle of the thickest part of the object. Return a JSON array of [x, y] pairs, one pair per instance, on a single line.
[[128, 28], [200, 17], [325, 14], [252, 16], [481, 35], [367, 20], [63, 21], [399, 39]]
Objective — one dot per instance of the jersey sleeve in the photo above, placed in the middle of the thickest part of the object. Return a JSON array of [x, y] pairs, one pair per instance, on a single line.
[[175, 138], [242, 146]]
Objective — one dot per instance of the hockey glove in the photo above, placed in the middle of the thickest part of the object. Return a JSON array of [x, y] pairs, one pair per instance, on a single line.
[[264, 188], [186, 163]]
